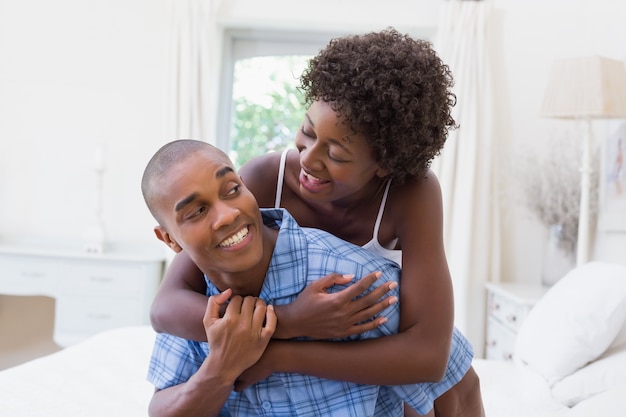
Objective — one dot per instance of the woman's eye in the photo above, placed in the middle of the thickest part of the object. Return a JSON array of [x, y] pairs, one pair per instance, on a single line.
[[308, 135], [336, 158]]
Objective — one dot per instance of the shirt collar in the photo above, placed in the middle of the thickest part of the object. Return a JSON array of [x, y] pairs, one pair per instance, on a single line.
[[287, 273]]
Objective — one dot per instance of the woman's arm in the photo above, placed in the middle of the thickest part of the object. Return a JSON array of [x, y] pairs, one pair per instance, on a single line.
[[180, 302], [420, 352]]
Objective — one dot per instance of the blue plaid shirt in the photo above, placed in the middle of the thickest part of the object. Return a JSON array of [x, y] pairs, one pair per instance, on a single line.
[[301, 256]]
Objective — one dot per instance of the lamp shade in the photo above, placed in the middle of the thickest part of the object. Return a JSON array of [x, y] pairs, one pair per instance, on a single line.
[[586, 87]]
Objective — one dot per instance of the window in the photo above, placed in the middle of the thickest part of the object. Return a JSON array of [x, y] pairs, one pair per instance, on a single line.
[[262, 105]]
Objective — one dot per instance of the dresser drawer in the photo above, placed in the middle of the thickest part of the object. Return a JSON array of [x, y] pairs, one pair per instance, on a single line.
[[508, 305], [27, 275], [101, 278], [500, 341], [509, 313], [92, 292], [89, 315]]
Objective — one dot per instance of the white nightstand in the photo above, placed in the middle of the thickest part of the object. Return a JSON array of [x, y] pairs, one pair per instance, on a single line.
[[508, 305], [92, 292]]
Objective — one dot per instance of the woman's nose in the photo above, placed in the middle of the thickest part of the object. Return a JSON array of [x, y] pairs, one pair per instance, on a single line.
[[310, 158]]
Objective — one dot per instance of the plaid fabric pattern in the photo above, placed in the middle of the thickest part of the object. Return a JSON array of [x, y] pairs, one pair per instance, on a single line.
[[303, 255]]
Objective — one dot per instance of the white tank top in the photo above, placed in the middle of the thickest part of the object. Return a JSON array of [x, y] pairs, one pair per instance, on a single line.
[[373, 245]]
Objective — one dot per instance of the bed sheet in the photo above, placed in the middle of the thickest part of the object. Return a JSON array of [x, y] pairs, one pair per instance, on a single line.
[[105, 376], [510, 390]]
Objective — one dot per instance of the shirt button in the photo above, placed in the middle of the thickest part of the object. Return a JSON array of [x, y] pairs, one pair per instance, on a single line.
[[267, 406]]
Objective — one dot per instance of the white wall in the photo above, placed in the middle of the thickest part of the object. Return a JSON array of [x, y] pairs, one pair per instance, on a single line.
[[530, 35], [413, 16], [74, 74]]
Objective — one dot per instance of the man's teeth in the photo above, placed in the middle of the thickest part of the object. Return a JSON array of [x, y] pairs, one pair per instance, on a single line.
[[233, 240]]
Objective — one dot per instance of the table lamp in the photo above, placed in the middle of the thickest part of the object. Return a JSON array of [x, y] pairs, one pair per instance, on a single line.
[[585, 88]]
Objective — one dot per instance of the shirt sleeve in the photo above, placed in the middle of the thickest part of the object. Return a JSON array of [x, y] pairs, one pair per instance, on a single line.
[[421, 396], [174, 360]]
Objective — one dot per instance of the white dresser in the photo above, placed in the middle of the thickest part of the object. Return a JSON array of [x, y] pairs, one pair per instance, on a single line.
[[508, 305], [92, 292]]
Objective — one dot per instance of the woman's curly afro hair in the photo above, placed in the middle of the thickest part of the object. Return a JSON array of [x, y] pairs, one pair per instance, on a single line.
[[390, 88]]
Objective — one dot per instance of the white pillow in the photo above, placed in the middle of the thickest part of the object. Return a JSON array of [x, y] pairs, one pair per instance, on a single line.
[[620, 339], [574, 322], [598, 376]]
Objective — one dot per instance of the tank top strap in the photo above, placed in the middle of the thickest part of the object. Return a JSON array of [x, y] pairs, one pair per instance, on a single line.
[[381, 210], [281, 177]]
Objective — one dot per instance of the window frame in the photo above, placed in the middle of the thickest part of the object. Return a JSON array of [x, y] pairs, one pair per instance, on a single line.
[[249, 43]]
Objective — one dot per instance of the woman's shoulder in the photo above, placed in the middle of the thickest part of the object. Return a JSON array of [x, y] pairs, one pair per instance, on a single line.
[[260, 175], [423, 186], [416, 197]]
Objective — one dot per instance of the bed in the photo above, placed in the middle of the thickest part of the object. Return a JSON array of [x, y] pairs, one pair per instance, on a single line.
[[570, 361], [103, 376]]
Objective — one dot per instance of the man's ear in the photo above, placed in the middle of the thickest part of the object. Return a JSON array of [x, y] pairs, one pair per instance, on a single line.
[[165, 237]]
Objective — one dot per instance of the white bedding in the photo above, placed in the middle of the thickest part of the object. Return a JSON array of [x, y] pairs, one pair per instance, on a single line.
[[510, 390], [105, 377]]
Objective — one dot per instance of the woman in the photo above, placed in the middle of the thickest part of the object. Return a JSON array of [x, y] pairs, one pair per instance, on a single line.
[[379, 113]]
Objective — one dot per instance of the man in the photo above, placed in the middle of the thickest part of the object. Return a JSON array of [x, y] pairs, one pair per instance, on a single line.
[[253, 259]]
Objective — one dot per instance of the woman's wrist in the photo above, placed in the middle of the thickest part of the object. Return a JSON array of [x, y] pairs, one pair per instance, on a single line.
[[284, 324]]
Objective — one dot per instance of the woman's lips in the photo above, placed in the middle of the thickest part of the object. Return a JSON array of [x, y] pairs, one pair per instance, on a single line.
[[312, 183]]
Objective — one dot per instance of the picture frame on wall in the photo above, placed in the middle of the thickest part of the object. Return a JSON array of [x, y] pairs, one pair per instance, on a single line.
[[612, 213]]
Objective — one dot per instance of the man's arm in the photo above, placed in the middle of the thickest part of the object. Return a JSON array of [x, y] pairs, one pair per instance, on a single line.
[[237, 340], [203, 395]]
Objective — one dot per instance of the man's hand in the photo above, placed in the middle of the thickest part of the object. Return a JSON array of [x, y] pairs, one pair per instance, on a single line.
[[236, 341], [240, 336]]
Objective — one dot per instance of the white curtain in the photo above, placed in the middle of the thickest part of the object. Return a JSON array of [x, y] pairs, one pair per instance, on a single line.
[[194, 70], [466, 165]]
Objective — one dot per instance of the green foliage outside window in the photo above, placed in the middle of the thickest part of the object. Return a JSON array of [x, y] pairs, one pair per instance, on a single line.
[[265, 121]]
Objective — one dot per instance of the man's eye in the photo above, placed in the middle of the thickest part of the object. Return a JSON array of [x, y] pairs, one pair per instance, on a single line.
[[197, 213], [234, 190]]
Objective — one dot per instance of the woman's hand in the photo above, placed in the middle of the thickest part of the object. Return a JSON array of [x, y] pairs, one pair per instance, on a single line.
[[320, 314]]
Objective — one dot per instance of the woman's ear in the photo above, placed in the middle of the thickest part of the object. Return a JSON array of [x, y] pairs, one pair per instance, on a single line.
[[382, 172], [165, 237]]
